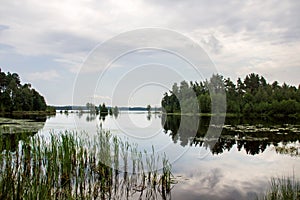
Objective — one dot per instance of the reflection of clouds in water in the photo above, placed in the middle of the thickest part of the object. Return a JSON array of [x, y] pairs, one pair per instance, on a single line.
[[212, 179], [212, 184], [232, 175]]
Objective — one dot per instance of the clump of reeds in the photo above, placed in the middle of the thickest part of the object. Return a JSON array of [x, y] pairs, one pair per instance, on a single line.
[[285, 188], [66, 166]]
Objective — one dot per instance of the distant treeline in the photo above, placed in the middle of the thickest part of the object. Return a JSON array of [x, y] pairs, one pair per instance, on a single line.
[[17, 97], [251, 96], [108, 107], [70, 107]]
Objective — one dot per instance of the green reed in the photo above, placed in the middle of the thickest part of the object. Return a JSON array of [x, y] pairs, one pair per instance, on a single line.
[[285, 188], [67, 166]]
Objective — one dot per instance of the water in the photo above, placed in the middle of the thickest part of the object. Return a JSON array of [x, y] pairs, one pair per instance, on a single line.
[[237, 165]]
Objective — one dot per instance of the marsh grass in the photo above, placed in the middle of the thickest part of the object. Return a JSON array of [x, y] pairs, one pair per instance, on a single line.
[[66, 166], [285, 188]]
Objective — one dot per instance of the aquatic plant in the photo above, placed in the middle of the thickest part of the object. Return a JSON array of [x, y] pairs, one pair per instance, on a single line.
[[285, 188], [66, 166]]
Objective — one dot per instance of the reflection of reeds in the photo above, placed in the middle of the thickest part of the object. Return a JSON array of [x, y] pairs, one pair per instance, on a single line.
[[283, 189], [69, 167]]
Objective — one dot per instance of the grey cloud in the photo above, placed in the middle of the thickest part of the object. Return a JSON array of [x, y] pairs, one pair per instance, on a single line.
[[267, 20], [213, 184], [213, 44], [5, 46], [3, 27], [67, 42], [212, 179]]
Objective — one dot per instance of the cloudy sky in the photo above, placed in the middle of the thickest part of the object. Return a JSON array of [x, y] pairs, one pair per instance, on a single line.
[[52, 44]]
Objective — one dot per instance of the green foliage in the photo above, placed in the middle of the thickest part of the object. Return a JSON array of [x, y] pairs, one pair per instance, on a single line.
[[204, 103], [17, 97], [194, 96], [252, 96]]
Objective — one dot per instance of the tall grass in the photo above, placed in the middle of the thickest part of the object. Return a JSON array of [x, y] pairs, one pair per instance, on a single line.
[[284, 188], [69, 167]]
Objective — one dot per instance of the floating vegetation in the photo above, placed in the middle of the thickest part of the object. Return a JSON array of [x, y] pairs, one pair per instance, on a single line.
[[65, 166], [16, 126], [289, 150], [254, 139], [285, 129]]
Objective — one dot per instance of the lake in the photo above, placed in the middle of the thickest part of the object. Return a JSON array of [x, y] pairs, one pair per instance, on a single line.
[[237, 165]]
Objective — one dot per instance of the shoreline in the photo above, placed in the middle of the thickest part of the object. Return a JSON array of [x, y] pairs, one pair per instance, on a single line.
[[27, 113], [253, 115]]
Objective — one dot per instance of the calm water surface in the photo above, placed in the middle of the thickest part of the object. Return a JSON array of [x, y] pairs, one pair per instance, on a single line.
[[238, 165]]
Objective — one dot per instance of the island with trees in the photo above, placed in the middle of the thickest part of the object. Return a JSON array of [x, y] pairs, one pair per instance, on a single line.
[[252, 96], [101, 110]]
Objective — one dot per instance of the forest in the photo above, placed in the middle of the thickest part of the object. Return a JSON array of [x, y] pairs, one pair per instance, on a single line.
[[252, 96], [15, 96]]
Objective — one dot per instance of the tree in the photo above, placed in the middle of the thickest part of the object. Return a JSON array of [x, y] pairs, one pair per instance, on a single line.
[[27, 98], [103, 110], [230, 87], [252, 82], [253, 96], [148, 108], [185, 91], [175, 89], [204, 103], [216, 84], [298, 94], [240, 88], [17, 97], [91, 107], [116, 111]]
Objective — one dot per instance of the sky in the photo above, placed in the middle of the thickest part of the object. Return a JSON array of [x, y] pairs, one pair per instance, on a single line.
[[128, 53]]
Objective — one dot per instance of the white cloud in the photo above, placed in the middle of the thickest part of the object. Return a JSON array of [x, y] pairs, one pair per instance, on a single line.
[[45, 75], [97, 97]]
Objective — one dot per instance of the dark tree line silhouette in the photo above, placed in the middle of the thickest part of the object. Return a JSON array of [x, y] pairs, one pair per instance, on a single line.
[[251, 96], [17, 97], [102, 110]]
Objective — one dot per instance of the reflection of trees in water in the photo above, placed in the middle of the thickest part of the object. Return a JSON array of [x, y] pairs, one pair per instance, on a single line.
[[14, 130], [102, 116], [290, 150], [90, 117], [253, 140], [251, 147], [181, 124], [149, 116]]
